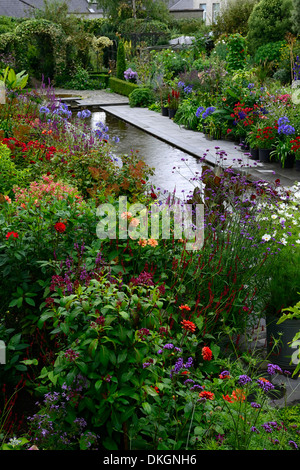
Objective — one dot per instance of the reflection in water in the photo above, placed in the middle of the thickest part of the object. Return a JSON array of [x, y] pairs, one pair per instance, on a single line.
[[157, 154]]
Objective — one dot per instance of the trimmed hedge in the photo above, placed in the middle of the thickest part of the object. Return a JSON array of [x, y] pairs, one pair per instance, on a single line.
[[121, 86]]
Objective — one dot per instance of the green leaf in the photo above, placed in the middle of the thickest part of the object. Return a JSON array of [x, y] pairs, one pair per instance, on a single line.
[[121, 357], [93, 347], [29, 301], [104, 355], [98, 385], [147, 408]]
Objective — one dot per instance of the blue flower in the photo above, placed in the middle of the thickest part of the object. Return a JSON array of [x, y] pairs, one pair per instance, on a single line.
[[199, 111], [251, 85], [208, 111], [44, 109]]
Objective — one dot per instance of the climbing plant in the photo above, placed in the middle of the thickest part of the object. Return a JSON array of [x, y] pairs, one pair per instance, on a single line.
[[41, 46]]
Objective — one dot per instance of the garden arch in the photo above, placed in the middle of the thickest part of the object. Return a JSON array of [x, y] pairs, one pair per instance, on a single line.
[[51, 37]]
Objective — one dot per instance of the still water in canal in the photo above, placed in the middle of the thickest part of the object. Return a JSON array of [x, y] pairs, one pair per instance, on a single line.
[[171, 172]]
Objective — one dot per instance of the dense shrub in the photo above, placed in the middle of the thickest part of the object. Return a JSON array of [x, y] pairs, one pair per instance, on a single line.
[[233, 17], [121, 86], [269, 21], [142, 97], [268, 52]]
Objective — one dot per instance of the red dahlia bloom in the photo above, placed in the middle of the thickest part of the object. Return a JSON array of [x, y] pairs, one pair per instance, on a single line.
[[188, 326], [206, 353], [60, 227]]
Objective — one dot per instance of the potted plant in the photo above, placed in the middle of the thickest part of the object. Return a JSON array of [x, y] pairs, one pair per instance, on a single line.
[[265, 137], [253, 144], [164, 94], [296, 149], [283, 153]]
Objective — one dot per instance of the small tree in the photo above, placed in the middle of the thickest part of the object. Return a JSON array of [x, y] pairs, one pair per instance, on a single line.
[[233, 17], [121, 61], [269, 21]]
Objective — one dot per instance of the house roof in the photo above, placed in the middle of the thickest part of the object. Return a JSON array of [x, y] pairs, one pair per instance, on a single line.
[[20, 8], [182, 5]]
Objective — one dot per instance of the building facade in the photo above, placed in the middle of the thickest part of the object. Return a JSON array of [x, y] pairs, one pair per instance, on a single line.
[[205, 9]]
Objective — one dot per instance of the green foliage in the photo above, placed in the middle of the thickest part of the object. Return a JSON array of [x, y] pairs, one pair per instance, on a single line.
[[81, 80], [121, 86], [13, 80], [236, 52], [269, 21], [268, 52], [233, 17], [186, 114], [10, 175], [121, 61], [141, 97]]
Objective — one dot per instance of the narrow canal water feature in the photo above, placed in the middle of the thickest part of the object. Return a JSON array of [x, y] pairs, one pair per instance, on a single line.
[[173, 168]]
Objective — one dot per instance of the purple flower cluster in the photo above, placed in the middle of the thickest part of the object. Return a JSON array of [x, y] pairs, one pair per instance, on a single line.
[[284, 126], [129, 74], [244, 379], [202, 112], [273, 369], [85, 113], [180, 365], [265, 385]]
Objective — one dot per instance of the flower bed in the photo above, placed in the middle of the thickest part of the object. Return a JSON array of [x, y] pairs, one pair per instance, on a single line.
[[128, 342]]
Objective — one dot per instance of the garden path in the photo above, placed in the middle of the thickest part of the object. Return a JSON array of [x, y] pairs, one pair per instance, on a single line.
[[191, 142]]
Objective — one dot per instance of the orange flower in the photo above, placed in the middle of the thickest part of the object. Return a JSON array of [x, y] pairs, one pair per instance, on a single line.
[[206, 353], [227, 398], [188, 326], [238, 395], [152, 242], [206, 395], [142, 242], [184, 307]]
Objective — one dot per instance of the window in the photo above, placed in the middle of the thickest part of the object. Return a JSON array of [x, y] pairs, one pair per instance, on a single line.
[[215, 10], [202, 6]]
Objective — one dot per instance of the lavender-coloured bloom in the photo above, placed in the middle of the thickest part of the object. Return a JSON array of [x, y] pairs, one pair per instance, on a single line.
[[44, 110], [169, 346], [253, 404], [244, 379], [265, 385], [293, 444], [273, 369]]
